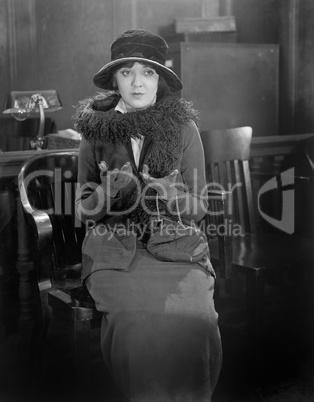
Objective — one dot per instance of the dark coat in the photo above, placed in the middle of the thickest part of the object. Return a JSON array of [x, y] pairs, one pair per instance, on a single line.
[[171, 141]]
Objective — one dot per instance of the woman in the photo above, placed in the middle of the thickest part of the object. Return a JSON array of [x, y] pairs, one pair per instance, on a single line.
[[141, 156]]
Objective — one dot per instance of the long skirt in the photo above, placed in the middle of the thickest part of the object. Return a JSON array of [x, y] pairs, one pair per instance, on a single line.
[[160, 338]]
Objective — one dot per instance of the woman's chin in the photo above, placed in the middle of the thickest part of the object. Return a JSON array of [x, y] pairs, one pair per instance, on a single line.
[[137, 104]]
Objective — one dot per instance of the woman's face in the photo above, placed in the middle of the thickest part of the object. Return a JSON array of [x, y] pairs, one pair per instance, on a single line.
[[137, 85]]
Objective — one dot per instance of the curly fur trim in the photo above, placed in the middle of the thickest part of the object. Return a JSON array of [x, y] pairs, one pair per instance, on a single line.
[[96, 118]]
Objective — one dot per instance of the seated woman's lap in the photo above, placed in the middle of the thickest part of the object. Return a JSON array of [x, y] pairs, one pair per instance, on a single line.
[[160, 331]]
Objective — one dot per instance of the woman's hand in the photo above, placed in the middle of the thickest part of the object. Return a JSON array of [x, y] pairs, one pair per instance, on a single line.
[[165, 186], [114, 180]]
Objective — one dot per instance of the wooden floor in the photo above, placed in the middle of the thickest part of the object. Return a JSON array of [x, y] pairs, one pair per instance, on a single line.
[[287, 367]]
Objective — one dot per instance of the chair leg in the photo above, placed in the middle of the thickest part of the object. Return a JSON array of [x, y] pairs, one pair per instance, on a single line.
[[255, 303], [81, 355], [39, 333]]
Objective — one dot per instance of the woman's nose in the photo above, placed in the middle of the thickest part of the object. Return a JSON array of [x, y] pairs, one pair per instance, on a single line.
[[137, 80]]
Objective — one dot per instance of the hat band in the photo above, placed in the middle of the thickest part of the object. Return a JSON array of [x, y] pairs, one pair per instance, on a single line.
[[142, 51]]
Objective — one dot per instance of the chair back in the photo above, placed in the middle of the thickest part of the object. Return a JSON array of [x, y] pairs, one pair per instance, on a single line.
[[227, 153], [47, 185]]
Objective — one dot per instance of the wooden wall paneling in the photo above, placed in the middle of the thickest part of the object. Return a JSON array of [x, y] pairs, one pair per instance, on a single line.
[[210, 8], [226, 7], [124, 16], [5, 84], [288, 64], [22, 44], [17, 45], [304, 103], [257, 20], [289, 23], [73, 44], [232, 84], [158, 15]]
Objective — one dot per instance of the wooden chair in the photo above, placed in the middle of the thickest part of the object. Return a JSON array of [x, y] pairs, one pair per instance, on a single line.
[[47, 184], [261, 257]]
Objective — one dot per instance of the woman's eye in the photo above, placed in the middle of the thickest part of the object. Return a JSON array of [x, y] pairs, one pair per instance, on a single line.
[[149, 72], [125, 73]]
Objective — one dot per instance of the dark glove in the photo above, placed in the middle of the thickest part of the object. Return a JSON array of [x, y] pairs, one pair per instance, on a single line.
[[114, 180]]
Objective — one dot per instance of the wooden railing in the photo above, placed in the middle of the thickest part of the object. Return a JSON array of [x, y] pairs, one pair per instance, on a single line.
[[272, 155], [276, 149]]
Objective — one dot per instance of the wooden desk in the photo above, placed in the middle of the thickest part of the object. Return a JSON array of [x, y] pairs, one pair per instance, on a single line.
[[10, 162]]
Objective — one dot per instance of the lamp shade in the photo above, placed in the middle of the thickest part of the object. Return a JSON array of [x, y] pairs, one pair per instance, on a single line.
[[28, 101]]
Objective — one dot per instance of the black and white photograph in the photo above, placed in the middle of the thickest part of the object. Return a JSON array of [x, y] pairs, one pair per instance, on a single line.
[[157, 201]]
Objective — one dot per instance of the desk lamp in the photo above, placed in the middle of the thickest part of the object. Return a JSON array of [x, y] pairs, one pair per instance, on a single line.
[[20, 104]]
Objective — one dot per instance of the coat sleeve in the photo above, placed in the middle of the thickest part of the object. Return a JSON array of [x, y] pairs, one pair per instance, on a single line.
[[91, 202], [191, 186]]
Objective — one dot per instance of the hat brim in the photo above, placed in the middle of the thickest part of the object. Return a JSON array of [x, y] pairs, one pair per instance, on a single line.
[[103, 79]]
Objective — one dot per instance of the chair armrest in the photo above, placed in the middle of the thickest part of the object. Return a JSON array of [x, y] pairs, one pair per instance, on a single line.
[[219, 214], [68, 307], [42, 229]]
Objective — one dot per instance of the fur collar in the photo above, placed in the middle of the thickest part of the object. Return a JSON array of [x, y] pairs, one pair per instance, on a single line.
[[96, 118]]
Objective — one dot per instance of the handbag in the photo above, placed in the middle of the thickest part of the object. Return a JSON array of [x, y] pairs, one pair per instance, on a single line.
[[176, 241]]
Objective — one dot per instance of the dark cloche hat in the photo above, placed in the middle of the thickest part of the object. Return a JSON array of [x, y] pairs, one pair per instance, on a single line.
[[138, 45]]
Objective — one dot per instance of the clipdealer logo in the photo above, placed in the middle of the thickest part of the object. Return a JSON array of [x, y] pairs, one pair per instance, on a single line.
[[285, 183]]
